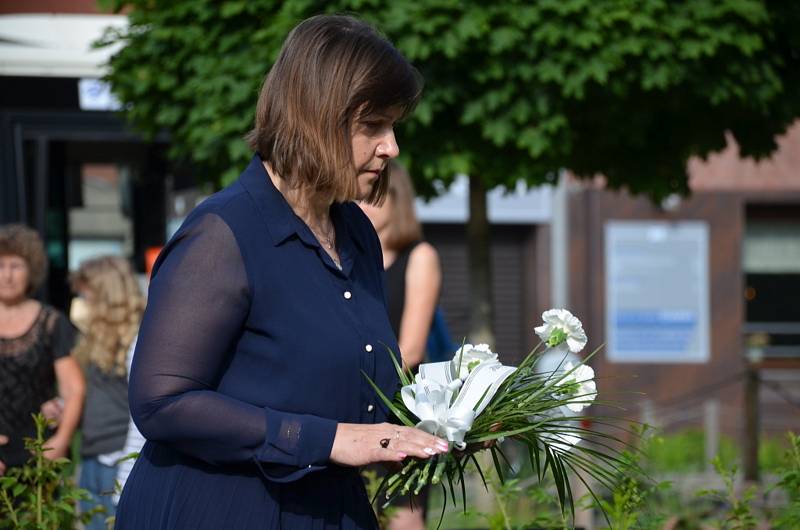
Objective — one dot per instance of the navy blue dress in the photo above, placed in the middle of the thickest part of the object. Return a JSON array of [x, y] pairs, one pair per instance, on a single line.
[[251, 351]]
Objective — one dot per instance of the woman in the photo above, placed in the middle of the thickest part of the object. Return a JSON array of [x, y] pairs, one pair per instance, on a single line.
[[413, 281], [266, 310], [35, 343], [107, 310], [413, 273]]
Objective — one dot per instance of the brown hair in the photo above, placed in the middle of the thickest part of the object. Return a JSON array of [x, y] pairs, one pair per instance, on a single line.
[[331, 71], [116, 309], [20, 240], [404, 227]]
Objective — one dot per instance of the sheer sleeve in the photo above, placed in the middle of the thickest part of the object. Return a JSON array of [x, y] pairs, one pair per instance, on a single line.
[[198, 302]]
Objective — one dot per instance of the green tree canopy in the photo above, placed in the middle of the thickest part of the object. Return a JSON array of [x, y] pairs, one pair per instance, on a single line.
[[514, 90]]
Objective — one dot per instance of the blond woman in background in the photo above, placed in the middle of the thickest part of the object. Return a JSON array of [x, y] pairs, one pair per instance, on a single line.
[[107, 310]]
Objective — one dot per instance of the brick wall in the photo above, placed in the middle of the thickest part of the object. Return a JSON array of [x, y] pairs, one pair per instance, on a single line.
[[726, 171]]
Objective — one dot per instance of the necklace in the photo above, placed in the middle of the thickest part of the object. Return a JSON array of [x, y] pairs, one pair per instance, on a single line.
[[328, 242]]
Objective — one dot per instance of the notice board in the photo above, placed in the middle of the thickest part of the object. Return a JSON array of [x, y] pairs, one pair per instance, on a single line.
[[657, 291]]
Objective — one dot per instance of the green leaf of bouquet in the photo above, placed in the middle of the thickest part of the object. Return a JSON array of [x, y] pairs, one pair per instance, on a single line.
[[612, 455], [459, 467], [480, 471], [450, 478], [533, 455], [567, 487], [444, 506], [531, 358], [603, 476], [501, 434], [504, 457], [591, 492], [498, 469], [395, 410], [381, 488], [404, 379], [557, 478]]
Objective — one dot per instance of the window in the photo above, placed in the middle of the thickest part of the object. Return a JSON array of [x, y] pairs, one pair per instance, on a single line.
[[771, 263]]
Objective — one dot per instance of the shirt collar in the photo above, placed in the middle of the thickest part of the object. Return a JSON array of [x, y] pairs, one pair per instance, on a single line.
[[281, 220], [348, 223], [271, 204]]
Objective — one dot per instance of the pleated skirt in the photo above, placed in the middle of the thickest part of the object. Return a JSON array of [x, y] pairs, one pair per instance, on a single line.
[[168, 490]]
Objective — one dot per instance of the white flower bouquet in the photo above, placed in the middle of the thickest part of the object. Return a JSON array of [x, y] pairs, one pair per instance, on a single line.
[[475, 402]]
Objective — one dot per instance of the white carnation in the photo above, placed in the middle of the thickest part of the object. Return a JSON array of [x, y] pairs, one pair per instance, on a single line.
[[583, 376], [562, 326], [470, 357]]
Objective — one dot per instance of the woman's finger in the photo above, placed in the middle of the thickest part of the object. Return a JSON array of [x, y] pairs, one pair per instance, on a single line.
[[424, 439]]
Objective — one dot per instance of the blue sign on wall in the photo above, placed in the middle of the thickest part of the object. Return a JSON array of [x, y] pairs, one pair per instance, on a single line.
[[657, 291]]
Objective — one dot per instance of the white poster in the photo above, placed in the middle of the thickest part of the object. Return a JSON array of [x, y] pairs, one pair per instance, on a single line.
[[657, 293]]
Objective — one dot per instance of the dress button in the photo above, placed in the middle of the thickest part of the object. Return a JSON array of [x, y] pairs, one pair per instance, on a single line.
[[368, 347], [370, 408], [348, 295]]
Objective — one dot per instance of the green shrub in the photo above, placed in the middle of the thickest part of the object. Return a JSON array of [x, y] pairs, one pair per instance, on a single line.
[[739, 513], [789, 517], [41, 495]]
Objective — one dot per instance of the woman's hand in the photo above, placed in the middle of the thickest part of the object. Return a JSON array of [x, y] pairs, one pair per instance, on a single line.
[[52, 410], [357, 445]]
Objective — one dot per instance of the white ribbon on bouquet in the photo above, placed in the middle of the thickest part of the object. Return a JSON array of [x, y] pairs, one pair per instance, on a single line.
[[446, 407]]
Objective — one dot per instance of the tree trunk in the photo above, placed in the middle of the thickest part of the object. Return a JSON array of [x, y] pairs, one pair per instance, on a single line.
[[480, 271]]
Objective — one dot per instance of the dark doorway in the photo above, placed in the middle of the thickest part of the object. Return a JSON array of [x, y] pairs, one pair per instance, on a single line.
[[88, 186]]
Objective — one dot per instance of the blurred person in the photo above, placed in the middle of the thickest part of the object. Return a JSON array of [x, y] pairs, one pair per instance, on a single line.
[[413, 282], [413, 273], [134, 441], [267, 306], [107, 310], [35, 344]]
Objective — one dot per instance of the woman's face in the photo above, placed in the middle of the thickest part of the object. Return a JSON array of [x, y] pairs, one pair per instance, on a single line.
[[14, 278], [80, 313], [374, 145]]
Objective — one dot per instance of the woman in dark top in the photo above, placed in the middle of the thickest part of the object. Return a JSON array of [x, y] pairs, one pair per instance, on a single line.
[[413, 273], [35, 343], [267, 305], [413, 281]]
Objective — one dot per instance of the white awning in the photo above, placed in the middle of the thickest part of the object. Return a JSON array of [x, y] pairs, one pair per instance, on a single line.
[[55, 45]]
